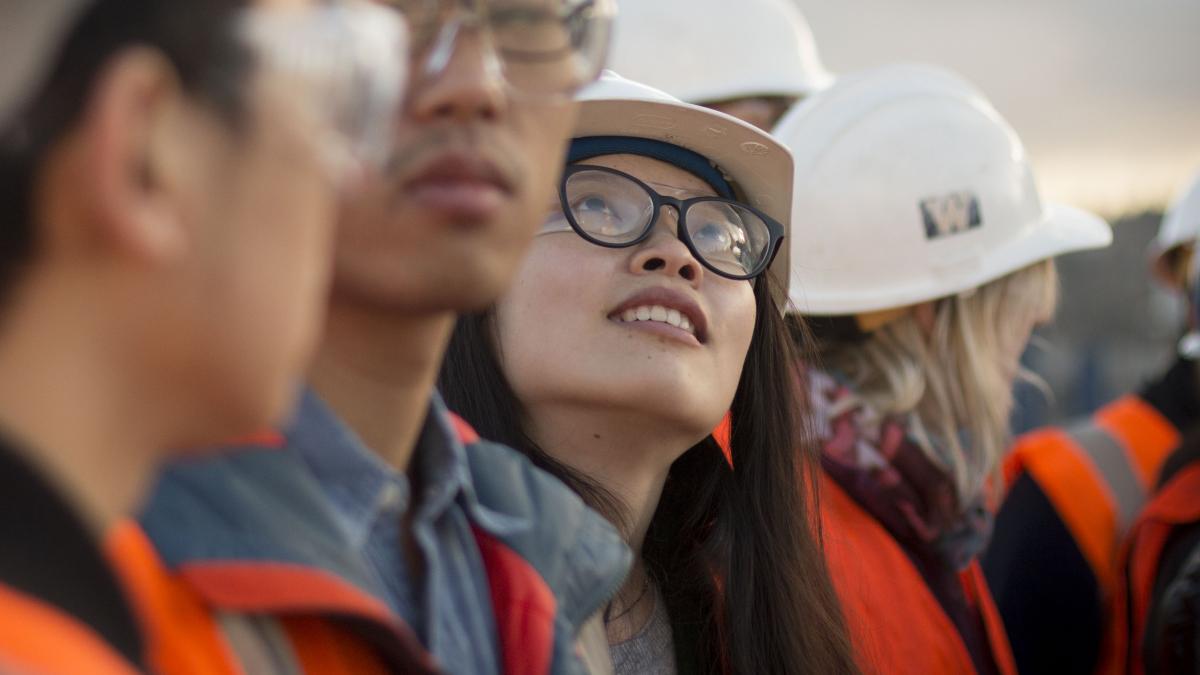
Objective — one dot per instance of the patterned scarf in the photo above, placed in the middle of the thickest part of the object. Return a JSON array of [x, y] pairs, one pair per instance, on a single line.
[[875, 459]]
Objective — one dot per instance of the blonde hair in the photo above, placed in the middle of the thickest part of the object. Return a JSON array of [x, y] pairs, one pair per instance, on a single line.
[[955, 382]]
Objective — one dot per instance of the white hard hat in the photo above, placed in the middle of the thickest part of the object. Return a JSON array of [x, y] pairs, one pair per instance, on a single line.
[[30, 31], [704, 51], [910, 187], [1181, 224], [758, 166]]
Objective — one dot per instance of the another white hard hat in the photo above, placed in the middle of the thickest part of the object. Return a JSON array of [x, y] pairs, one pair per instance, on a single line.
[[30, 31], [1181, 224], [910, 187], [703, 51], [758, 166]]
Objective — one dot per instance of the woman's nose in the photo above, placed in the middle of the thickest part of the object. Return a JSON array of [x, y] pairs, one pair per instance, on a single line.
[[663, 252]]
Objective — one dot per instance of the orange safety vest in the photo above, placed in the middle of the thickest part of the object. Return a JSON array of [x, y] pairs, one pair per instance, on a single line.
[[896, 624], [185, 637], [38, 639], [1098, 475], [1176, 505]]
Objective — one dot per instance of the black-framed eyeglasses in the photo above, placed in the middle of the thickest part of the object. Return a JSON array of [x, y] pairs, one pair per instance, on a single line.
[[543, 48], [613, 209]]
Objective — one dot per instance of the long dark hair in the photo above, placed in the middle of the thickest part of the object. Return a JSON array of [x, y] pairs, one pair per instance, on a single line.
[[736, 553]]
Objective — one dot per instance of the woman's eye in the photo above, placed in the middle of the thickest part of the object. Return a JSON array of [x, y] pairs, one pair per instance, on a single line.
[[600, 217], [595, 205], [717, 236]]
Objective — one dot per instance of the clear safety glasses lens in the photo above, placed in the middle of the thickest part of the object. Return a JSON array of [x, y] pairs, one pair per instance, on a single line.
[[349, 63], [543, 48], [612, 209]]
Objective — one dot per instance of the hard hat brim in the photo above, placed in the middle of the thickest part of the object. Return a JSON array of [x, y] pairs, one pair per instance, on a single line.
[[1063, 229]]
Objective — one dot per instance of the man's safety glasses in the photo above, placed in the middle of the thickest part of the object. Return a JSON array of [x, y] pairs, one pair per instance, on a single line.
[[613, 209], [543, 48], [349, 59]]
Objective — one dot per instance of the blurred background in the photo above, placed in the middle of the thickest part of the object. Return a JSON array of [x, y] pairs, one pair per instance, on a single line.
[[1106, 96]]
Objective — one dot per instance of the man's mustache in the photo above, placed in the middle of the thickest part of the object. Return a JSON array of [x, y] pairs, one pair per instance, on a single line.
[[407, 160]]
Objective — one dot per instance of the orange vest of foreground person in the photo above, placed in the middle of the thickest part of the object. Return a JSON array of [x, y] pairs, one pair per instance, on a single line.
[[183, 636], [896, 624], [38, 639]]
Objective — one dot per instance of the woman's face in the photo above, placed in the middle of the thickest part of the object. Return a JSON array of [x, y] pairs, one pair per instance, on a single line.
[[646, 329]]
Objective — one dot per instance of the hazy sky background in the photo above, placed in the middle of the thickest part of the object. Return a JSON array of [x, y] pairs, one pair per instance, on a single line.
[[1105, 93]]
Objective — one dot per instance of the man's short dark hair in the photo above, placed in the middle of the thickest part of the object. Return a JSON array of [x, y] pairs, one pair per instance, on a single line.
[[196, 36]]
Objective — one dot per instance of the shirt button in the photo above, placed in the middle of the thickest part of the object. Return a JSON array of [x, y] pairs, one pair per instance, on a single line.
[[392, 498]]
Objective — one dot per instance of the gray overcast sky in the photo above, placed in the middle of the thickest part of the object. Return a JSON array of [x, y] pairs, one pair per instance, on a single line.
[[1105, 93]]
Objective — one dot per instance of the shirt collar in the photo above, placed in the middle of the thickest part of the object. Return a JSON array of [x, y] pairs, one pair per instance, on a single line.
[[363, 487], [442, 461]]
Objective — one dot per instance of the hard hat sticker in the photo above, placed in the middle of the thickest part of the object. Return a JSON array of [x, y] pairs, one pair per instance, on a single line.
[[949, 214]]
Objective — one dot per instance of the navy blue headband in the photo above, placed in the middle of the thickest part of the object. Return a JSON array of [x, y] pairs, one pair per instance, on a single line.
[[692, 162]]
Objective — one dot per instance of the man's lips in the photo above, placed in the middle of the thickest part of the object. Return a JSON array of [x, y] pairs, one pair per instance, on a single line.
[[461, 185]]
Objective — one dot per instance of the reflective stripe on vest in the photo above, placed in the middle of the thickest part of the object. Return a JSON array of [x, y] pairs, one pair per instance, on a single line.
[[259, 644], [269, 645], [1098, 474], [1111, 460]]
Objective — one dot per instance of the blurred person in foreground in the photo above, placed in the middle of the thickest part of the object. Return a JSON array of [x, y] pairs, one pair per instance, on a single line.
[[1074, 491], [374, 506], [922, 255], [168, 196], [752, 59]]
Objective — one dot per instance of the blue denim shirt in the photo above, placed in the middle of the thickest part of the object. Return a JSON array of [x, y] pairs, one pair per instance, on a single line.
[[490, 528], [449, 607]]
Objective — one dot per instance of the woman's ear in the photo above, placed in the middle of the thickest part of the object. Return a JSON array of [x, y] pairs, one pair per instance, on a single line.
[[130, 129]]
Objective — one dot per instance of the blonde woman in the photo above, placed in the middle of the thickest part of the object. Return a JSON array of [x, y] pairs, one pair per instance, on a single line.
[[922, 257]]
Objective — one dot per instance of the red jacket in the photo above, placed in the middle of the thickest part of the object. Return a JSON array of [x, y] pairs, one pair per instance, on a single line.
[[1176, 505], [896, 624]]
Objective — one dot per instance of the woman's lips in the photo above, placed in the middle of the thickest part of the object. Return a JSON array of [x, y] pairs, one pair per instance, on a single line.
[[662, 330], [665, 312]]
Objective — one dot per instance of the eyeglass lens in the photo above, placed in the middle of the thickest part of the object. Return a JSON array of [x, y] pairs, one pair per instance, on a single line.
[[614, 210], [544, 47]]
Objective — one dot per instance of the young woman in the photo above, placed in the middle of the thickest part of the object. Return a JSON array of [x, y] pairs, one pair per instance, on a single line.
[[927, 262], [643, 316]]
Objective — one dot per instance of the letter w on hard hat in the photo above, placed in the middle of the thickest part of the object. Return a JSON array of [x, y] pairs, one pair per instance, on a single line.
[[910, 187], [29, 32], [703, 51]]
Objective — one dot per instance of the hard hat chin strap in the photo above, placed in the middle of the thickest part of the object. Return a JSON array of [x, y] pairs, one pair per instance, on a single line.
[[850, 328], [870, 322]]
